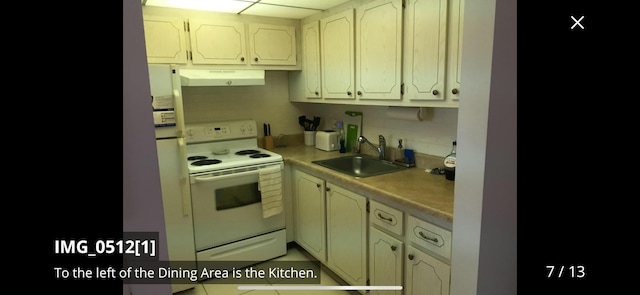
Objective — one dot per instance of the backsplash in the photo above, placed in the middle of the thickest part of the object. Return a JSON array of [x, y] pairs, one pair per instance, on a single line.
[[270, 104]]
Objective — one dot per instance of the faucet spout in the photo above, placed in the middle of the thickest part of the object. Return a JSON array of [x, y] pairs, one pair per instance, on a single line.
[[382, 144]]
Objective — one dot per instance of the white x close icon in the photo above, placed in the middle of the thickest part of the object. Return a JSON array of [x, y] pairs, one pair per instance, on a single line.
[[577, 22]]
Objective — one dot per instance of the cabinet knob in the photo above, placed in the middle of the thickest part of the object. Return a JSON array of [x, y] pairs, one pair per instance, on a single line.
[[229, 82], [435, 92], [410, 256], [349, 93], [327, 189], [317, 93], [242, 59], [318, 185], [393, 247], [454, 91], [256, 59], [359, 92]]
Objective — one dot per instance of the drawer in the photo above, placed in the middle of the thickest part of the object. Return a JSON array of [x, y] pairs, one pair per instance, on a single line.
[[429, 236], [386, 217]]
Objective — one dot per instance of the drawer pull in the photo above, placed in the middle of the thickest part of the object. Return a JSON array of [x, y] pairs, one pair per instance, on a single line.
[[389, 219], [422, 235]]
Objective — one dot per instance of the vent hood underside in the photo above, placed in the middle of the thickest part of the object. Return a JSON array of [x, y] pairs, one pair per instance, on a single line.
[[202, 77]]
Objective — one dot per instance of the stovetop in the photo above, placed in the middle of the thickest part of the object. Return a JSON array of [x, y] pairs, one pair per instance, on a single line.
[[222, 145]]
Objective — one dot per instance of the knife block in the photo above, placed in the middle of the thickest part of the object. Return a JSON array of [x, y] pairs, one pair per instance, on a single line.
[[268, 142]]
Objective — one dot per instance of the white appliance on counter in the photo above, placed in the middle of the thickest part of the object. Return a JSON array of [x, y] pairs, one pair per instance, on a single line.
[[166, 100], [226, 172]]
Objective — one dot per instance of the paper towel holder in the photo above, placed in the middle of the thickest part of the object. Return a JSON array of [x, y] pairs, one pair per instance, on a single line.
[[407, 113]]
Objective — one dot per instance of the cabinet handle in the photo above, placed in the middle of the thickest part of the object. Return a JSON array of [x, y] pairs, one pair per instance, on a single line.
[[256, 59], [454, 91], [349, 93], [435, 92], [317, 93], [327, 189], [318, 185], [359, 92], [385, 218], [435, 240], [242, 59], [393, 247], [410, 256]]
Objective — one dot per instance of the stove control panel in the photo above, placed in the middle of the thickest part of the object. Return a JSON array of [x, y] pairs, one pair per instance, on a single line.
[[218, 131]]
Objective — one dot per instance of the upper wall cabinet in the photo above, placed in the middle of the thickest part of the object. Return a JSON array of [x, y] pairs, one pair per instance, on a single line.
[[379, 50], [425, 49], [230, 44], [311, 59], [337, 55], [165, 39], [272, 44]]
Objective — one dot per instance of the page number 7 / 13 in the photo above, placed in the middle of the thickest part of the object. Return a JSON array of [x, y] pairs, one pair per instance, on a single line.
[[571, 271]]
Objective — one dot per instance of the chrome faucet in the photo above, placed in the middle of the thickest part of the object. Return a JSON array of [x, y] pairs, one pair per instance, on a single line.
[[379, 149]]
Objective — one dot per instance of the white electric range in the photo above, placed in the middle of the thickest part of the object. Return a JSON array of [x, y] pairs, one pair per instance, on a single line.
[[224, 163]]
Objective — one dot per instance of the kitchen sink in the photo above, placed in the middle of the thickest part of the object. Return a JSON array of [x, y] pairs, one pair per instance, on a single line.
[[360, 166]]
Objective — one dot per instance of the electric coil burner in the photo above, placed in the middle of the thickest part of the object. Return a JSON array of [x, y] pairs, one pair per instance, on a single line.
[[225, 164]]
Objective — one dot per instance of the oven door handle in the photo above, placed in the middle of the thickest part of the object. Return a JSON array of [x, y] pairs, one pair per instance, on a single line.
[[205, 178]]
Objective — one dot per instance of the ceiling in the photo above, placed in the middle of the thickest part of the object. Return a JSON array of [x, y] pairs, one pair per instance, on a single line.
[[294, 9]]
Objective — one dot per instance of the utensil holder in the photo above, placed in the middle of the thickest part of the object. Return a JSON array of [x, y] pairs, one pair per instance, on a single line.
[[310, 138], [268, 142]]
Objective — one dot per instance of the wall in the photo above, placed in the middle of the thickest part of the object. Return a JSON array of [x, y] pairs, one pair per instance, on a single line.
[[270, 104]]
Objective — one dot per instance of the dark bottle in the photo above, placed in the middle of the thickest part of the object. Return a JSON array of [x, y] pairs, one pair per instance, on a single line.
[[341, 139]]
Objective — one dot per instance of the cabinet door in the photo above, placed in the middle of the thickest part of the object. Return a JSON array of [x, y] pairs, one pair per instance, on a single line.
[[311, 55], [454, 55], [272, 44], [165, 40], [425, 275], [385, 261], [425, 49], [379, 50], [347, 234], [337, 55], [309, 202], [217, 42]]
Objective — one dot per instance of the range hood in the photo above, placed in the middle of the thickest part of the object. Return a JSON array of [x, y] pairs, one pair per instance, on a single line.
[[206, 77]]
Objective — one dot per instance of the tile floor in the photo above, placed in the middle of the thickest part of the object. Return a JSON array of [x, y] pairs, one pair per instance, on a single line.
[[295, 253]]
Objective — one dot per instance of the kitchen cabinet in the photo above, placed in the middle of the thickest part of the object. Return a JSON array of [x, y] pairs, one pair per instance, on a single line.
[[218, 42], [331, 224], [425, 49], [425, 275], [272, 44], [347, 234], [311, 57], [165, 39], [309, 204], [454, 53], [379, 50], [385, 261], [337, 55]]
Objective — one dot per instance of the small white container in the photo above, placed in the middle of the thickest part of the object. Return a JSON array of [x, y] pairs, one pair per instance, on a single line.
[[310, 138]]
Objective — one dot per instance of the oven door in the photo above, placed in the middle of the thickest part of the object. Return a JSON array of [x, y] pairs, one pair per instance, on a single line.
[[227, 208]]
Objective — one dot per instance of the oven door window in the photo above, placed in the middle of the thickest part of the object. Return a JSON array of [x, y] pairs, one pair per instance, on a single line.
[[237, 196]]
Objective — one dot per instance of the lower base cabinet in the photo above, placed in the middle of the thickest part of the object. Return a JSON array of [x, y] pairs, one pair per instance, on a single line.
[[385, 261], [425, 275]]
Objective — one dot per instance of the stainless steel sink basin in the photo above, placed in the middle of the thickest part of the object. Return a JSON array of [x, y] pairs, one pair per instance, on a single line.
[[360, 166]]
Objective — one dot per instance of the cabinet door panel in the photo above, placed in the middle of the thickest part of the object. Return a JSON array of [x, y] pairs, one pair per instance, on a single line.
[[337, 55], [311, 65], [379, 50], [217, 42], [425, 49], [347, 234], [165, 40], [426, 275], [310, 214], [272, 44], [385, 261]]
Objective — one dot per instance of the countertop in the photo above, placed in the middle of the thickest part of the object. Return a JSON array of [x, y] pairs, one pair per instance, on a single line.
[[414, 189]]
